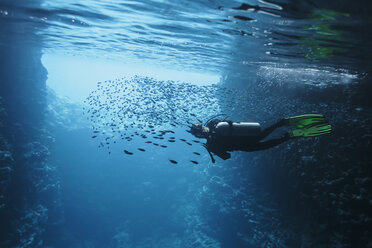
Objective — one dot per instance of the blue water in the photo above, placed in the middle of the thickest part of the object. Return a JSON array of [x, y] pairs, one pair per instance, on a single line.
[[82, 81]]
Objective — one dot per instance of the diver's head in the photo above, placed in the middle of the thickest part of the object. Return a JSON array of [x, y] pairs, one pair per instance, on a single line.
[[198, 130]]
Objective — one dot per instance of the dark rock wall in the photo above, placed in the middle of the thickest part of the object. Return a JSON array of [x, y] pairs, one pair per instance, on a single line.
[[332, 174], [28, 187], [320, 187]]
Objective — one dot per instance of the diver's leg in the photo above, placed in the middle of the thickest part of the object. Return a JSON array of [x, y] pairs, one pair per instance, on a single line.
[[268, 144], [271, 128]]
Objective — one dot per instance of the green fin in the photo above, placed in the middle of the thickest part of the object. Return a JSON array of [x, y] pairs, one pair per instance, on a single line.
[[312, 130], [302, 121]]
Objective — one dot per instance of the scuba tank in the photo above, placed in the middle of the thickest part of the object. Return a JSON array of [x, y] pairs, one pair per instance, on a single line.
[[225, 128]]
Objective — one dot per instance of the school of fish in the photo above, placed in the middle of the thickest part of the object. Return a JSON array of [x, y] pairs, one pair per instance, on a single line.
[[152, 110]]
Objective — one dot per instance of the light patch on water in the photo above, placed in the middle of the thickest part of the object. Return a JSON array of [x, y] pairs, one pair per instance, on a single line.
[[268, 13], [271, 5], [76, 77], [311, 76]]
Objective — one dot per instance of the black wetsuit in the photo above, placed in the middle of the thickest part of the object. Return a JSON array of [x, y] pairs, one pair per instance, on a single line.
[[221, 145]]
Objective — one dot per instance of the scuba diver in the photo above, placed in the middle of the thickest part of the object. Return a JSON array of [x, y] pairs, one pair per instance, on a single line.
[[225, 136]]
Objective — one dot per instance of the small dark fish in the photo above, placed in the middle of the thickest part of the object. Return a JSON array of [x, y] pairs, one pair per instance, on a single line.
[[129, 153], [171, 141], [196, 141], [183, 140], [164, 146], [193, 161], [188, 143], [173, 161], [141, 149], [95, 131], [148, 142], [155, 144], [174, 125], [94, 136], [243, 18], [196, 153], [172, 137]]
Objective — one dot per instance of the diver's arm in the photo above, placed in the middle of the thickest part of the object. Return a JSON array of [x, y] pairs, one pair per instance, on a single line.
[[224, 155]]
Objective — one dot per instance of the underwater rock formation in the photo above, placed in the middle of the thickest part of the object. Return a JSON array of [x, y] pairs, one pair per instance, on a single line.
[[321, 185], [242, 212], [6, 162], [28, 185]]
